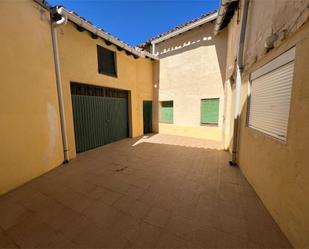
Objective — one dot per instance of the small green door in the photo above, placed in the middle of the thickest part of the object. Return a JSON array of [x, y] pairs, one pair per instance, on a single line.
[[147, 116]]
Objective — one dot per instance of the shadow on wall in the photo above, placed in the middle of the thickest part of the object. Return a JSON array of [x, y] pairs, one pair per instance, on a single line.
[[220, 42], [178, 45], [181, 47]]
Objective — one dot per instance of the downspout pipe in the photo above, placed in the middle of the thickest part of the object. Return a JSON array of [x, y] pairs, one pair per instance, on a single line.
[[153, 48], [239, 68], [54, 24]]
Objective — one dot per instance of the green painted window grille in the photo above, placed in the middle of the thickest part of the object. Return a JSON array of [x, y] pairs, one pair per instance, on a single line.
[[166, 113], [210, 111]]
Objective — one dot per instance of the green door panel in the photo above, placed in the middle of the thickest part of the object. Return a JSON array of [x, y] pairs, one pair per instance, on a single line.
[[147, 116]]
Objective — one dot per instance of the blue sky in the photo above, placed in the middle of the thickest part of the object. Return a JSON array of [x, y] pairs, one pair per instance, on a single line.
[[136, 21]]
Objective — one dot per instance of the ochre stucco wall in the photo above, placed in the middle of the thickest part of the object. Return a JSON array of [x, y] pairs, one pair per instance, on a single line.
[[192, 68], [78, 59], [279, 171], [279, 17], [29, 128], [30, 123], [232, 38]]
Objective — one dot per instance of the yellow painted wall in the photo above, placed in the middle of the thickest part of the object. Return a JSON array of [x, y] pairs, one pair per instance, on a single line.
[[280, 17], [29, 118], [192, 67], [31, 142], [279, 172], [232, 38], [78, 59]]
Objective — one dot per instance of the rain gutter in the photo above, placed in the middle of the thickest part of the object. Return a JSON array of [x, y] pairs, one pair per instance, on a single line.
[[100, 33]]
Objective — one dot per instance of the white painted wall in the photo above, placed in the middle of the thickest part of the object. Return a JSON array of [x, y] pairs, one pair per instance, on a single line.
[[192, 68]]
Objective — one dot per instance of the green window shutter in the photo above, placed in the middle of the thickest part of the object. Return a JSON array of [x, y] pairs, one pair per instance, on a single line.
[[166, 114], [210, 111], [106, 61]]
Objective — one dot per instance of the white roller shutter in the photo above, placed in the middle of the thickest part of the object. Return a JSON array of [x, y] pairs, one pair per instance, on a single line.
[[271, 88]]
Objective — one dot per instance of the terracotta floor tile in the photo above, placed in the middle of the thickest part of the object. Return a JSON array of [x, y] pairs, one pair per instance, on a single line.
[[158, 217], [180, 227], [71, 227], [135, 192], [72, 199], [102, 215], [206, 237], [116, 186], [58, 240], [62, 218], [233, 225], [226, 240], [11, 213], [159, 191], [30, 233], [104, 195], [125, 225], [146, 236], [6, 241], [140, 182], [90, 237], [132, 207], [167, 240]]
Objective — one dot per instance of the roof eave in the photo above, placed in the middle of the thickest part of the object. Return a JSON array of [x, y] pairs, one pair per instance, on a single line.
[[96, 31], [43, 4], [184, 29], [222, 12]]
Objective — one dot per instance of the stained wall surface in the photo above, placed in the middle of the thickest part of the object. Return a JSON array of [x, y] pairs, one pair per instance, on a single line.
[[30, 127]]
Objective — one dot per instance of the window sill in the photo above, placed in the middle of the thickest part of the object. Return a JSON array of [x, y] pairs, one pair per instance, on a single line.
[[110, 75], [210, 125]]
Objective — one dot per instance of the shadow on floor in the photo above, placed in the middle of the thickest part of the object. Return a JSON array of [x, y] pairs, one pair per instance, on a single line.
[[149, 195], [179, 141]]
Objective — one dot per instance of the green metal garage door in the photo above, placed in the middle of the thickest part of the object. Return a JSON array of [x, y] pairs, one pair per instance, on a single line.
[[100, 115]]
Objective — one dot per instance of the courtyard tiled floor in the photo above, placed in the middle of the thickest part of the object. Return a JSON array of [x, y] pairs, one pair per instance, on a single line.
[[162, 191]]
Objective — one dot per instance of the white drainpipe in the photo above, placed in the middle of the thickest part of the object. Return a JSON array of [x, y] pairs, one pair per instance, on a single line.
[[54, 25], [240, 66], [153, 48]]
